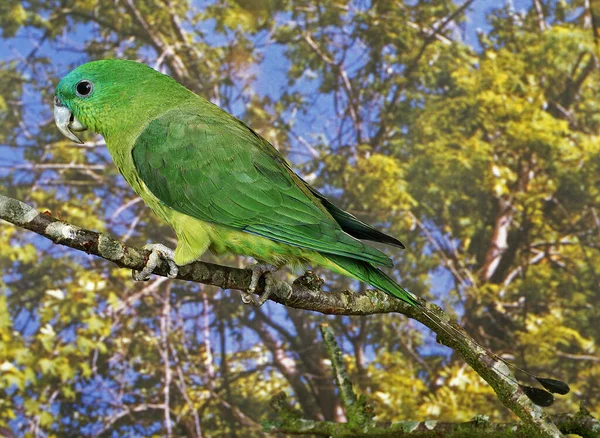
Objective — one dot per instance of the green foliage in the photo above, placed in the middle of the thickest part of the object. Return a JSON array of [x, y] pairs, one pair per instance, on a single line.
[[484, 161]]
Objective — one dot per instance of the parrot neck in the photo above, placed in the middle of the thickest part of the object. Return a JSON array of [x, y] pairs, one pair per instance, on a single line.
[[135, 116], [127, 109]]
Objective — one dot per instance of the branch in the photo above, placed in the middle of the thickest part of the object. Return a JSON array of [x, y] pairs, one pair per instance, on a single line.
[[305, 293], [540, 15], [360, 415], [291, 422], [414, 64], [594, 11], [162, 48]]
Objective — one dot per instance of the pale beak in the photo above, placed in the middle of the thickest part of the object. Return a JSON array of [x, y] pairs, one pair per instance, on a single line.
[[66, 121]]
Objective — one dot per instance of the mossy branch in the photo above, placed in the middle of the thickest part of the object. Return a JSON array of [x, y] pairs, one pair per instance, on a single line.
[[290, 422], [359, 414], [361, 424], [305, 293]]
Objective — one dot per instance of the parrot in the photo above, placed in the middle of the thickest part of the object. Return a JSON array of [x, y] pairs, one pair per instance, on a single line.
[[221, 186]]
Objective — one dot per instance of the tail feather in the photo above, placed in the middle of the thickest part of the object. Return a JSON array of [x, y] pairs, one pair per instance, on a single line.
[[369, 274], [373, 276]]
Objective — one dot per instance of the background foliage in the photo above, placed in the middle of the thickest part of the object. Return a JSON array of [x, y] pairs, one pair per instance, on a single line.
[[478, 148]]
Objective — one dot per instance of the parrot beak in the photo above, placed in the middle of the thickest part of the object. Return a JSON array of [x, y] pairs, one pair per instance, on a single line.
[[66, 121]]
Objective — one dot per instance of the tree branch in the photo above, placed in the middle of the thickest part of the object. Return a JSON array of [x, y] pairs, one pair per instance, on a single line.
[[162, 48], [412, 68], [360, 415], [305, 293]]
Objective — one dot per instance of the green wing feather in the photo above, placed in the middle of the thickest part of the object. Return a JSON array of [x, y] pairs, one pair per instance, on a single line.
[[211, 166], [373, 276], [352, 225]]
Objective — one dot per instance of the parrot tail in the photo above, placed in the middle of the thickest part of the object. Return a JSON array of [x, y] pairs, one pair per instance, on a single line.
[[369, 274]]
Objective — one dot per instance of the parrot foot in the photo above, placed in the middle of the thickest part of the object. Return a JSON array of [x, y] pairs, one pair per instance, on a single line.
[[258, 270], [158, 251]]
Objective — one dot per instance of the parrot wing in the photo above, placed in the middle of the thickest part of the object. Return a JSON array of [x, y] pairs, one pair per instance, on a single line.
[[211, 166], [351, 224]]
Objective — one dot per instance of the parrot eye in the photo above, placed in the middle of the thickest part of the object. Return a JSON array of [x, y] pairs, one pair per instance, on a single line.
[[84, 88]]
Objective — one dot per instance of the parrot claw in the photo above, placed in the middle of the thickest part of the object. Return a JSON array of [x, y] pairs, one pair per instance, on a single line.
[[158, 251], [258, 270]]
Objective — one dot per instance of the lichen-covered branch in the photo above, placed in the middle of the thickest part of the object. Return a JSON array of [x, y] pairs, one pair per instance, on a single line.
[[360, 415], [305, 293], [290, 422]]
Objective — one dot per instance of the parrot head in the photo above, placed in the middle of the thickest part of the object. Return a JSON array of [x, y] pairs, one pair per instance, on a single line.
[[107, 95]]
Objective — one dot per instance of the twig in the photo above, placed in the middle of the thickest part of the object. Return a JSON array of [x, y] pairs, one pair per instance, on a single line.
[[359, 414], [540, 15], [593, 8], [177, 65], [412, 68], [165, 327]]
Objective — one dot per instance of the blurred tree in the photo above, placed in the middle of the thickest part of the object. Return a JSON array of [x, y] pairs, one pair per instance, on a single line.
[[482, 158]]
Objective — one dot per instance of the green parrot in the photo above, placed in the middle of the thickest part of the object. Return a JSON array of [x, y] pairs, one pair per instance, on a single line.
[[220, 185]]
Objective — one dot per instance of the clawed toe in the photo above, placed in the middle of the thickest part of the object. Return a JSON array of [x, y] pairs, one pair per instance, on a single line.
[[247, 297], [258, 270], [157, 252]]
